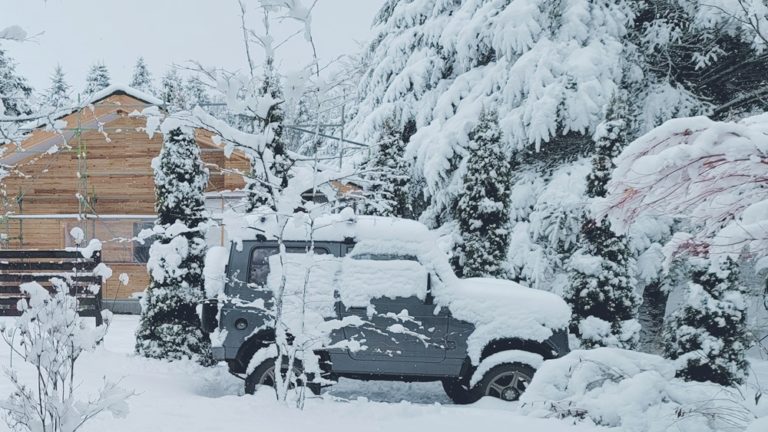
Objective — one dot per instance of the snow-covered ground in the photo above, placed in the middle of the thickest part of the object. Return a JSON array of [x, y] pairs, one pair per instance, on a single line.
[[183, 396]]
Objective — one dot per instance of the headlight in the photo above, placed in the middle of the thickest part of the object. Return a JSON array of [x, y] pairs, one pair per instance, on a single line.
[[241, 324]]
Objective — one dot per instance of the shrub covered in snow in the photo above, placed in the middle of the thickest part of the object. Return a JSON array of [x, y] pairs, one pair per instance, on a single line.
[[49, 338], [275, 161], [482, 210], [602, 282], [708, 336], [170, 327], [635, 392], [387, 175]]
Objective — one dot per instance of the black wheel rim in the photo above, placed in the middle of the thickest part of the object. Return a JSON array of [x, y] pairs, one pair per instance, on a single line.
[[268, 377], [508, 386]]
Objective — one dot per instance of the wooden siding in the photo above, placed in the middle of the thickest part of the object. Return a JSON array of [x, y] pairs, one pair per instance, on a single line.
[[120, 182]]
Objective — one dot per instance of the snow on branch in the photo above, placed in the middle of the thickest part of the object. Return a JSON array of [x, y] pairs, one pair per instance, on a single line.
[[13, 33], [711, 173]]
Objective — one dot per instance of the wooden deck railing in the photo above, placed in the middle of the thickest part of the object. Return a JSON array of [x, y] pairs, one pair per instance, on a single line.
[[20, 266]]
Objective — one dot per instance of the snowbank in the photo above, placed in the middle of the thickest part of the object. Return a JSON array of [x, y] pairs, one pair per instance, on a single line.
[[635, 391], [183, 396]]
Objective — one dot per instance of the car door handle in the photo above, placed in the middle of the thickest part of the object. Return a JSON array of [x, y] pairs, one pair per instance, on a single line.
[[449, 345]]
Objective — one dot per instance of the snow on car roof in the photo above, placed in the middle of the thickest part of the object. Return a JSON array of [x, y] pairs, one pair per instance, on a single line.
[[335, 227]]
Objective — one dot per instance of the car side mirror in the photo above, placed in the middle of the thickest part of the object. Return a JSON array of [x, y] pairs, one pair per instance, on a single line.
[[429, 299]]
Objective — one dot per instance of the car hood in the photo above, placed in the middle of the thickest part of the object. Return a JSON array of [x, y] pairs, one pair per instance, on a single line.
[[504, 309]]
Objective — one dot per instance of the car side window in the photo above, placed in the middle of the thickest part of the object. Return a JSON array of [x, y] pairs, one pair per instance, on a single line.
[[259, 263], [367, 275], [384, 257]]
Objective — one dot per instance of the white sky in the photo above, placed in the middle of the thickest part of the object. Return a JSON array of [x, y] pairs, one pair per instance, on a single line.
[[76, 33]]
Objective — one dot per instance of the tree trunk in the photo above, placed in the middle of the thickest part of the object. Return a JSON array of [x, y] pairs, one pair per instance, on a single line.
[[651, 316]]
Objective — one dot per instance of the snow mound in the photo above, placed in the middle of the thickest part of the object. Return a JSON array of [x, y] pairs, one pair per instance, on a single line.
[[634, 391]]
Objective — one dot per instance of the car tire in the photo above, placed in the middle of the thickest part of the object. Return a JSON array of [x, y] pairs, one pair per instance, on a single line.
[[457, 391], [264, 374], [506, 381]]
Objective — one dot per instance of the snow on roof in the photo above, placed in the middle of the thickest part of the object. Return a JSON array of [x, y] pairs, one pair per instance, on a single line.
[[103, 94], [120, 88]]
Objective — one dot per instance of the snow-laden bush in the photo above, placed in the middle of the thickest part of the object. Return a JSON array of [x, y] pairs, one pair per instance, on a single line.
[[50, 337], [169, 327], [602, 282], [545, 214], [482, 210], [708, 336], [636, 392]]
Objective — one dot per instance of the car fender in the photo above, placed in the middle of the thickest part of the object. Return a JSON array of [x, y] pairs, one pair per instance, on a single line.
[[544, 348], [510, 356], [261, 339]]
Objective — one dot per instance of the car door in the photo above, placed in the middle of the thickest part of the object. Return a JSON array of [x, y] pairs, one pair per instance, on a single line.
[[391, 294]]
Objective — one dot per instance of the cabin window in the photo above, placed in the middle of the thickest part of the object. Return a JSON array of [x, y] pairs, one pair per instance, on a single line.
[[141, 251], [86, 226], [113, 251]]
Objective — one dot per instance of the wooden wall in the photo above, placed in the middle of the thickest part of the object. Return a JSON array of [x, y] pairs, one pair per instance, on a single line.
[[119, 179]]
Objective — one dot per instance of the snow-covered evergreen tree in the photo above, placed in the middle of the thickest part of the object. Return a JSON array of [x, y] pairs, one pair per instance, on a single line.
[[142, 78], [708, 336], [267, 175], [482, 211], [195, 92], [58, 94], [169, 326], [601, 292], [98, 79], [15, 91], [549, 68], [172, 91], [387, 175]]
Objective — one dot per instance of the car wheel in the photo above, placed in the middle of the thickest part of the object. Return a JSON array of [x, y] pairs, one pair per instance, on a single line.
[[457, 391], [506, 381], [264, 374]]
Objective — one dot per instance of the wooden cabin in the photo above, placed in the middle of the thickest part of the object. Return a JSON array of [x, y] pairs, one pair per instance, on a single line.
[[95, 173]]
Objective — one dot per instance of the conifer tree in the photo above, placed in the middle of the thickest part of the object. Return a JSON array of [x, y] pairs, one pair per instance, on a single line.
[[98, 79], [601, 292], [482, 210], [195, 93], [172, 91], [169, 327], [58, 94], [387, 173], [14, 89], [142, 78], [708, 336], [260, 185]]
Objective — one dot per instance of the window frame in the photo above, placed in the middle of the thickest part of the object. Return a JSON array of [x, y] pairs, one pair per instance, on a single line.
[[136, 246], [249, 281]]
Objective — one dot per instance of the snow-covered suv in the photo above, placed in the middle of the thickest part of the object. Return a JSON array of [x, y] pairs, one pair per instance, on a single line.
[[375, 300]]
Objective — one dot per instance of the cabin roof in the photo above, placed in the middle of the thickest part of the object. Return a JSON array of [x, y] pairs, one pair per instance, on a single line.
[[43, 140]]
